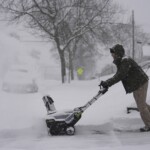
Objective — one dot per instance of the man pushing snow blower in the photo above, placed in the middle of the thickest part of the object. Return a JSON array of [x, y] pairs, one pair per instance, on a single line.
[[133, 79]]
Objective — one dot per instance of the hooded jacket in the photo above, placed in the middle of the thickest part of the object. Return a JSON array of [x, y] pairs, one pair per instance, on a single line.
[[130, 73]]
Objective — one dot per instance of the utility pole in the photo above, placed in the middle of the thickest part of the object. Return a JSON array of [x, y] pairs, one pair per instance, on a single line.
[[133, 41]]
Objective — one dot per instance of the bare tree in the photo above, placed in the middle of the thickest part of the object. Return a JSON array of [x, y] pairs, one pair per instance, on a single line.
[[62, 21], [122, 33]]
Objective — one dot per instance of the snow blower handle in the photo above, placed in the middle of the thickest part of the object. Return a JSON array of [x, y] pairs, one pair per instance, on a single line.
[[89, 103]]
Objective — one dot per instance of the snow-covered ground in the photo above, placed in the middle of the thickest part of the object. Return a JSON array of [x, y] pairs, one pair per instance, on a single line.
[[22, 125]]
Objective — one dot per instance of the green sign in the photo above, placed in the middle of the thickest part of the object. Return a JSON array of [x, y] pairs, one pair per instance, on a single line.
[[80, 71]]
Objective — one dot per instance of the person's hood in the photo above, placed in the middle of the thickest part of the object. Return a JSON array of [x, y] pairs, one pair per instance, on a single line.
[[118, 50]]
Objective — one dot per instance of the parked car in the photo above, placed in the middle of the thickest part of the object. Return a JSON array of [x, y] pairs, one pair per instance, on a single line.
[[20, 80]]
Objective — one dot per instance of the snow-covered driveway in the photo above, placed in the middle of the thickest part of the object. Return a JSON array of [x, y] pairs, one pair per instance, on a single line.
[[105, 125]]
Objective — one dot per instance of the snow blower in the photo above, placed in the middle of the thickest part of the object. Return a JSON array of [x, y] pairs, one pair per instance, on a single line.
[[63, 122]]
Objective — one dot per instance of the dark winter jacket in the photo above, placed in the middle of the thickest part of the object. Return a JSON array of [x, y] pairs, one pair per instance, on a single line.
[[131, 75]]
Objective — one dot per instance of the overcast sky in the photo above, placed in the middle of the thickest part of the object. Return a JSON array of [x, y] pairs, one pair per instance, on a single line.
[[141, 11]]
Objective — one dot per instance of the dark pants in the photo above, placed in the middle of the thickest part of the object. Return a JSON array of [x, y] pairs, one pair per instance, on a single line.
[[140, 98]]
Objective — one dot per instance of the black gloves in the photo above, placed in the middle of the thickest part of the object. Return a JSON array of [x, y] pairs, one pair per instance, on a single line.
[[103, 84]]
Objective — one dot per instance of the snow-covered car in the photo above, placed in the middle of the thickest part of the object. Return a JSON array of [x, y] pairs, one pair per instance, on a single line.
[[19, 80]]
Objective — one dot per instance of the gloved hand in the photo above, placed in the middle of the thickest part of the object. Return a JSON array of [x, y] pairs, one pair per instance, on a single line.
[[103, 84]]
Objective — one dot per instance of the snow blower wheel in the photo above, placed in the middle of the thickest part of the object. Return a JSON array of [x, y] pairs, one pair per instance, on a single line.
[[70, 130]]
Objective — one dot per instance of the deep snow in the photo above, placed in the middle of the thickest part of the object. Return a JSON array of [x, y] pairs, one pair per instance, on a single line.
[[22, 116]]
